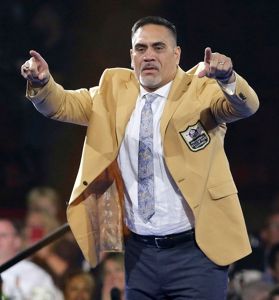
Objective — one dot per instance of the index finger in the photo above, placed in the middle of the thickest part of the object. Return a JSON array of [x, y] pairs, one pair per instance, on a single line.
[[36, 55], [207, 55]]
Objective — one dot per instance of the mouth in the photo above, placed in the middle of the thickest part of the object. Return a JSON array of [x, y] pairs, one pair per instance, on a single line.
[[149, 69]]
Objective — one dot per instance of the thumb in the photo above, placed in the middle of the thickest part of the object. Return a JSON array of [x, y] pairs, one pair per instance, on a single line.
[[42, 75], [204, 71]]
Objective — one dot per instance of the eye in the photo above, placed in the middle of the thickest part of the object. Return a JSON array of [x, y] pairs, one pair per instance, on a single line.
[[140, 49], [159, 47]]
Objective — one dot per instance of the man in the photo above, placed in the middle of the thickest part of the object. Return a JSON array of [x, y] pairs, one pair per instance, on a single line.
[[24, 280], [155, 139]]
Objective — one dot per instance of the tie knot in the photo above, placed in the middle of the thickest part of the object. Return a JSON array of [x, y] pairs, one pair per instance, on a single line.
[[150, 98]]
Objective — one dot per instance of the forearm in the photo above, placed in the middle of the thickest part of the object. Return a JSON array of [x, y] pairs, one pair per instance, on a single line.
[[230, 106], [55, 102]]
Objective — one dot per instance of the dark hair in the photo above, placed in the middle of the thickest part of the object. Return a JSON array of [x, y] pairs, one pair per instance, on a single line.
[[157, 21]]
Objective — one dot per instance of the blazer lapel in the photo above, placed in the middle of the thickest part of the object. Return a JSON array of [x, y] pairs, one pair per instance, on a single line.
[[179, 87], [129, 92], [126, 102]]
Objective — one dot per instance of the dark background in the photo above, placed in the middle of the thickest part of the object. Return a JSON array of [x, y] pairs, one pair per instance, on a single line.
[[79, 39]]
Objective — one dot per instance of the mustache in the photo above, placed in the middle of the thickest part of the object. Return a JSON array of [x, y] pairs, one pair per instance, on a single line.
[[149, 65]]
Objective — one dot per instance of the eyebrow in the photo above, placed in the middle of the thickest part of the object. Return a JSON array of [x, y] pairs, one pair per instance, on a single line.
[[137, 45]]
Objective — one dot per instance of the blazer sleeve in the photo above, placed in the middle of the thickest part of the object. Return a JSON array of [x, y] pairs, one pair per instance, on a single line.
[[53, 101], [228, 108]]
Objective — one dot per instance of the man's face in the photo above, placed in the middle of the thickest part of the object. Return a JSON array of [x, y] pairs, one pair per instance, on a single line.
[[154, 56], [9, 241]]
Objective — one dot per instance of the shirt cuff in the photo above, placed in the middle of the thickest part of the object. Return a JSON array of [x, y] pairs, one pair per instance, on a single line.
[[228, 88]]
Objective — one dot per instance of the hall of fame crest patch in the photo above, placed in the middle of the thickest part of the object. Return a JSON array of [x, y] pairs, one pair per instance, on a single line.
[[195, 137]]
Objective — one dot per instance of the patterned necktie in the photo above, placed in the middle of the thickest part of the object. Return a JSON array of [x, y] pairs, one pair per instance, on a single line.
[[146, 202]]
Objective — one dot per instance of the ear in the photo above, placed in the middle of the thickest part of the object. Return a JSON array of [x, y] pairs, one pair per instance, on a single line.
[[132, 60], [177, 52]]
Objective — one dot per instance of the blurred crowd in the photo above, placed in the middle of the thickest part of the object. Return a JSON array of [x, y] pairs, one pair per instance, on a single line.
[[256, 277], [58, 270]]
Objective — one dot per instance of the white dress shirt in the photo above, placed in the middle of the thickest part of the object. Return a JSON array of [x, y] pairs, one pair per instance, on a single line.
[[172, 213]]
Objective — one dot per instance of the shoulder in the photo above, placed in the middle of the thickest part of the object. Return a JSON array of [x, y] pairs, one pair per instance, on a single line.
[[115, 78], [118, 73]]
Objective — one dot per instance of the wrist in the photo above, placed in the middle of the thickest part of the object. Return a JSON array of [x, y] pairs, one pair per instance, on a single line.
[[228, 78], [38, 83]]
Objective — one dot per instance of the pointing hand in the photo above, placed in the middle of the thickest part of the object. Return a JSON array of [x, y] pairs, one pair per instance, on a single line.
[[217, 66], [35, 70]]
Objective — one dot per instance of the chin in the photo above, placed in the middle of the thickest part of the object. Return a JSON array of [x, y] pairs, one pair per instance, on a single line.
[[150, 83]]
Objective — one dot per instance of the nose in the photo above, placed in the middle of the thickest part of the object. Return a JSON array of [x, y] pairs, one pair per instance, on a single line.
[[149, 55]]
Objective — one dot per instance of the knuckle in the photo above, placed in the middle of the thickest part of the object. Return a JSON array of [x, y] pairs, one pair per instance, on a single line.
[[215, 55]]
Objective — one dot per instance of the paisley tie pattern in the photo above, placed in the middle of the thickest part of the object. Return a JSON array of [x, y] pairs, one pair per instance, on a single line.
[[146, 201]]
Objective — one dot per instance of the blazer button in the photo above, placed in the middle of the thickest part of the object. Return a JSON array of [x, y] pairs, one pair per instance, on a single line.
[[85, 183]]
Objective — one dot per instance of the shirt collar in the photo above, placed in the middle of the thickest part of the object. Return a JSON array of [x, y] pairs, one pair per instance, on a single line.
[[162, 91]]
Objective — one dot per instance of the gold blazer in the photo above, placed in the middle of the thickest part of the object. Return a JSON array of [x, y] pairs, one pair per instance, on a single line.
[[193, 127]]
